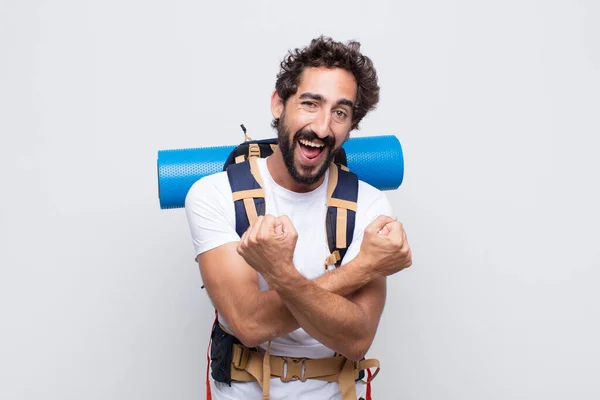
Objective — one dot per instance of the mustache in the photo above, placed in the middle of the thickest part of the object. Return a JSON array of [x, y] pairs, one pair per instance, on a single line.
[[310, 135]]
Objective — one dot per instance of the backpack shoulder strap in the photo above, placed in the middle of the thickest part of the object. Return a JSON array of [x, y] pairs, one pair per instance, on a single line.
[[248, 193], [342, 197], [246, 150]]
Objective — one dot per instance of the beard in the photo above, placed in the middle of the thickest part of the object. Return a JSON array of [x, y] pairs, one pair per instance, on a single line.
[[304, 175]]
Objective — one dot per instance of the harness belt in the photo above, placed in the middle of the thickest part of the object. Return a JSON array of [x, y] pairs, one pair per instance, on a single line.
[[248, 365]]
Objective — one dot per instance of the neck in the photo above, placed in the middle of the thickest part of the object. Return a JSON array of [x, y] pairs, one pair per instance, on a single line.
[[282, 177]]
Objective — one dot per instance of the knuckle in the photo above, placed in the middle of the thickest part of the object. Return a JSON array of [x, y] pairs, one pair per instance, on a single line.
[[405, 252]]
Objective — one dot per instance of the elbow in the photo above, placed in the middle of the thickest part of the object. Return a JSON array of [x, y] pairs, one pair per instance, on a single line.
[[358, 350], [248, 339], [247, 332], [356, 355]]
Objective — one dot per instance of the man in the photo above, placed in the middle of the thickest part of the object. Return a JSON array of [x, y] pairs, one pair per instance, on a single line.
[[269, 286]]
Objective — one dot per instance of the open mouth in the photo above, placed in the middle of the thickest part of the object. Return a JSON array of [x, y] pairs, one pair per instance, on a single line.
[[311, 150]]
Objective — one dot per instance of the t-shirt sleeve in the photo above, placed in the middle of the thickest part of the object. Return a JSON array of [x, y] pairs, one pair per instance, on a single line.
[[210, 213], [371, 204]]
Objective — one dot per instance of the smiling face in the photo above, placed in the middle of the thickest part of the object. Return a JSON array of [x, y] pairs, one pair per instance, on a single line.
[[314, 123]]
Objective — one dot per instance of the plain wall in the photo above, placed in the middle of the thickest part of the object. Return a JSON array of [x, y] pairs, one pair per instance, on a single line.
[[496, 105]]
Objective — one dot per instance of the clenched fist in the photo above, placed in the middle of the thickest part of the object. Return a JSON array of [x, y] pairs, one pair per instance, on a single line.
[[268, 245], [384, 248]]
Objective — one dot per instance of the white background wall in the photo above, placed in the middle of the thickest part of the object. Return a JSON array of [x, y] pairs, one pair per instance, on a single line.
[[496, 104]]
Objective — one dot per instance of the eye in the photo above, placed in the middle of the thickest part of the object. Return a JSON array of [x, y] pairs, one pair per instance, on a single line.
[[340, 115], [309, 104]]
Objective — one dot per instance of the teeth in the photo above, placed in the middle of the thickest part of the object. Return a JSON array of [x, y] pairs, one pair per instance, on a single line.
[[311, 144]]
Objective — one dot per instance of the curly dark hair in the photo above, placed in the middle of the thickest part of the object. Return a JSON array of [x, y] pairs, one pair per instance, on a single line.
[[325, 52]]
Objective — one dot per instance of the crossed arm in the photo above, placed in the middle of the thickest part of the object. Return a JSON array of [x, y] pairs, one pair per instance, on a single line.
[[341, 309]]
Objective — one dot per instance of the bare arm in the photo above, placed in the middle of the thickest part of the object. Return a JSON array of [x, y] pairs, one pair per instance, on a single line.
[[256, 317], [346, 325]]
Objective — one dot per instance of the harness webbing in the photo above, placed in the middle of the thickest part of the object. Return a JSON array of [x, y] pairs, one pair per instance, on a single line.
[[248, 194], [342, 197], [248, 365]]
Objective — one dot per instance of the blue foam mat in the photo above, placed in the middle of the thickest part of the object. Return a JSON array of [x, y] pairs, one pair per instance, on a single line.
[[377, 160]]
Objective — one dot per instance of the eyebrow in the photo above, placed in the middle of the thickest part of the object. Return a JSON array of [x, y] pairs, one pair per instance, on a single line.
[[318, 97]]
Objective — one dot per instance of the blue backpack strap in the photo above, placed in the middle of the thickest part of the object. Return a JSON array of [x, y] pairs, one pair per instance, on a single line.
[[342, 197], [248, 193]]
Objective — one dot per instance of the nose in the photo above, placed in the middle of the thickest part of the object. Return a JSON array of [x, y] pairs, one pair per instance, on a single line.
[[322, 123]]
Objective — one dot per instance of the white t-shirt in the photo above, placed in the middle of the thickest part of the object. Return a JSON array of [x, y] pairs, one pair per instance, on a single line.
[[211, 215]]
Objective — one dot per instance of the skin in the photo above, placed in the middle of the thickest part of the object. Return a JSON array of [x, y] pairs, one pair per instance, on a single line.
[[323, 104], [342, 308]]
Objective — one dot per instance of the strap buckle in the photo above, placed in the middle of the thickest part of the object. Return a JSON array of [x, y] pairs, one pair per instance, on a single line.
[[294, 369], [240, 356], [332, 259], [254, 150]]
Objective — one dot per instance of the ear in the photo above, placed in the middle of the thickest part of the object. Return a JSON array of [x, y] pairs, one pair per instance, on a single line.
[[276, 105]]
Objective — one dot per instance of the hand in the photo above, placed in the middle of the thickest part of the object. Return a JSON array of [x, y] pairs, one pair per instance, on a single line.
[[268, 245], [384, 248]]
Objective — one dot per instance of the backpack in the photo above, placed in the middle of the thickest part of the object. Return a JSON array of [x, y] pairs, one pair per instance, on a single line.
[[249, 201], [249, 196]]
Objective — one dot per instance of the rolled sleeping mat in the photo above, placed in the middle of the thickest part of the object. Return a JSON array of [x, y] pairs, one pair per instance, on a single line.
[[377, 160]]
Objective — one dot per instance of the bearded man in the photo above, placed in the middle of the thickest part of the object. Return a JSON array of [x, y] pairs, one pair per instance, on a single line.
[[285, 316]]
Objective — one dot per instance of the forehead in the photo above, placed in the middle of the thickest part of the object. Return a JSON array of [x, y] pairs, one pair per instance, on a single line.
[[331, 83]]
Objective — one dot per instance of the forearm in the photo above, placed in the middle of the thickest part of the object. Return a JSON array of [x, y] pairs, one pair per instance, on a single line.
[[346, 279], [263, 317], [271, 317], [332, 319]]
